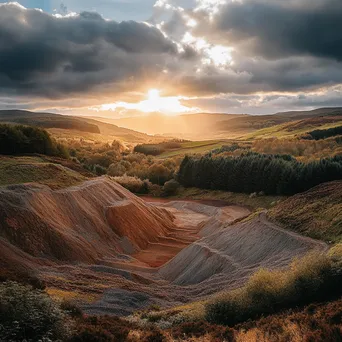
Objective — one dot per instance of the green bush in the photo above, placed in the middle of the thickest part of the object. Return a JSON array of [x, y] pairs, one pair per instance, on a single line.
[[309, 279], [28, 314]]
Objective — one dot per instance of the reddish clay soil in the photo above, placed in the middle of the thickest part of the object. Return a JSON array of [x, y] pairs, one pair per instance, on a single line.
[[99, 241]]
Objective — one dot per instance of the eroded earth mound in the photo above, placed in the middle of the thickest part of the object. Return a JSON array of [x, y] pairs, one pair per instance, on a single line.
[[114, 252]]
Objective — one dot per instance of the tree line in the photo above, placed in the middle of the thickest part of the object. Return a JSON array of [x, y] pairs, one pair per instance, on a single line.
[[319, 134], [254, 172], [17, 139]]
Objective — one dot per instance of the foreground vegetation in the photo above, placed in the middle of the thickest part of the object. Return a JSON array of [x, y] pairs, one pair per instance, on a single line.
[[254, 312]]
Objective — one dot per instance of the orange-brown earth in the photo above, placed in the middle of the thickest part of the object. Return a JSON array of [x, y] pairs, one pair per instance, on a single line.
[[115, 252]]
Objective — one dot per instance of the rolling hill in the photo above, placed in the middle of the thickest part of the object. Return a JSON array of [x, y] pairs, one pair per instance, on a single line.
[[220, 126], [62, 124]]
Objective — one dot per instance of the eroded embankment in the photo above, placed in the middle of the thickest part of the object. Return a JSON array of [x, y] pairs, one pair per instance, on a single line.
[[97, 220]]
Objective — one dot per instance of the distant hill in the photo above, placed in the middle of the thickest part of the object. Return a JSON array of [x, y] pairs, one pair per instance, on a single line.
[[190, 126], [157, 127], [74, 123], [204, 126], [47, 120], [315, 112]]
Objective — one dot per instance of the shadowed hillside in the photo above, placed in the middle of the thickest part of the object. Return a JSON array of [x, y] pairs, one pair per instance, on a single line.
[[316, 213]]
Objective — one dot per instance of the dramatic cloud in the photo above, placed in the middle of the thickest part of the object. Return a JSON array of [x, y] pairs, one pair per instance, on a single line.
[[275, 29], [53, 56], [218, 55]]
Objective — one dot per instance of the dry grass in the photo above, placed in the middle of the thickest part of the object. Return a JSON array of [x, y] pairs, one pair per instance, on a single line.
[[19, 170], [316, 213], [254, 202]]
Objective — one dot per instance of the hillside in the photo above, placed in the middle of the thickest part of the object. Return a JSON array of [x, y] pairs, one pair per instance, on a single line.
[[192, 126], [223, 126], [55, 173], [296, 128], [71, 125], [77, 224], [316, 213]]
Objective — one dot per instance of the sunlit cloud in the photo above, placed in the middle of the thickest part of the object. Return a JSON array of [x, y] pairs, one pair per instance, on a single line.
[[170, 105]]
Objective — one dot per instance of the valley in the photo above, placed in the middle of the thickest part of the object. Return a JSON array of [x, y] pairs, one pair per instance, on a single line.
[[181, 240], [114, 253]]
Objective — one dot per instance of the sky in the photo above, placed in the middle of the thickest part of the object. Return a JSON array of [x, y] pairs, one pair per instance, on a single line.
[[120, 58]]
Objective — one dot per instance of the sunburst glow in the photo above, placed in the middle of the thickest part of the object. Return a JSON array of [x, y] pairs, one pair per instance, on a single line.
[[169, 105]]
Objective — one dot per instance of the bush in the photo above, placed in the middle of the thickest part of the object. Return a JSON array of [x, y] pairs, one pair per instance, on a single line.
[[153, 335], [133, 184], [100, 170], [171, 187], [309, 279], [28, 314], [118, 169], [201, 328], [149, 149], [100, 329], [316, 322]]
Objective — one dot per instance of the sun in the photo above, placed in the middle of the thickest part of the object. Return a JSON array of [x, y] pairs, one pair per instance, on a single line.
[[153, 95], [154, 103]]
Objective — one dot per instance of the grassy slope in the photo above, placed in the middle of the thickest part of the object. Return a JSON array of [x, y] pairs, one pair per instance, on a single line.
[[194, 147], [70, 126], [290, 130], [230, 197], [316, 213], [19, 170]]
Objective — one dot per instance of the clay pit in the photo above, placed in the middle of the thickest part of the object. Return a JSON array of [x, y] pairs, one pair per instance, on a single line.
[[115, 253]]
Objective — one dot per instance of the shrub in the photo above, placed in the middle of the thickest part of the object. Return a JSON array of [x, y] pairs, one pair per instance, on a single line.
[[316, 322], [100, 329], [28, 314], [71, 309], [201, 328], [100, 170], [149, 149], [133, 184], [116, 170], [308, 279], [153, 335], [171, 187]]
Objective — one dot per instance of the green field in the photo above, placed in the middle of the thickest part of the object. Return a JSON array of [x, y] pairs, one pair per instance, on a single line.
[[194, 147], [287, 131]]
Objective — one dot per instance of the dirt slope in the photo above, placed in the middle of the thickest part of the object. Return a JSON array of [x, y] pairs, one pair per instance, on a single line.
[[80, 224], [237, 251]]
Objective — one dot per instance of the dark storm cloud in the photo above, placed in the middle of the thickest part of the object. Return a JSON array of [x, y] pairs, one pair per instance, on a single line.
[[274, 29], [45, 55], [279, 46]]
